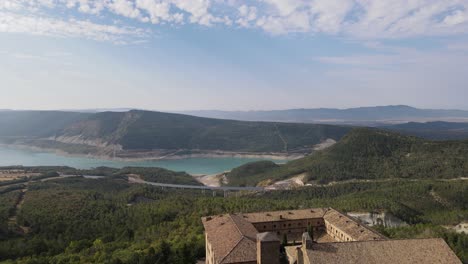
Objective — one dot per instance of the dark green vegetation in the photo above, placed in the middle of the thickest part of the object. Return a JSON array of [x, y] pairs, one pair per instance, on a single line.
[[433, 130], [155, 130], [158, 175], [8, 199], [241, 176], [145, 131], [78, 220], [376, 154], [150, 174]]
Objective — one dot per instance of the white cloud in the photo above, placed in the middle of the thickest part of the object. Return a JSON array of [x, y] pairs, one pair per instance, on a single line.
[[358, 19], [16, 23], [329, 15], [456, 18], [10, 5], [247, 15], [125, 8]]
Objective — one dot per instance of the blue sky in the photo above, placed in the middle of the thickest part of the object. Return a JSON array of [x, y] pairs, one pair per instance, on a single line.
[[232, 54]]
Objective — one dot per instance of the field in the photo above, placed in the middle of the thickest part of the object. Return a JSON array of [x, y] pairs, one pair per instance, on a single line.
[[9, 175]]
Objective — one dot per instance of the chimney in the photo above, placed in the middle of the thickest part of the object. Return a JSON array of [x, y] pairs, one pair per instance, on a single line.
[[299, 256], [268, 248], [307, 241]]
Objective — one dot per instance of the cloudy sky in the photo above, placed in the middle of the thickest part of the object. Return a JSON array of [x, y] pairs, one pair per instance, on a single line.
[[232, 54]]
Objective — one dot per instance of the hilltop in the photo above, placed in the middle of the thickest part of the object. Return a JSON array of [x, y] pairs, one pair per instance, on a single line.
[[139, 133], [366, 153]]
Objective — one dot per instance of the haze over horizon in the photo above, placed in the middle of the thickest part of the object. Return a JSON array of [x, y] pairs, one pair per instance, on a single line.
[[172, 55], [119, 109]]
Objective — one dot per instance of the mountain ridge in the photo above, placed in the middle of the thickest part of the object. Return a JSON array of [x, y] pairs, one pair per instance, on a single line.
[[360, 115]]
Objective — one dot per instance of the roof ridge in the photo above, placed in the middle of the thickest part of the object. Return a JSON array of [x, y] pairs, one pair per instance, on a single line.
[[232, 249], [383, 240], [235, 224]]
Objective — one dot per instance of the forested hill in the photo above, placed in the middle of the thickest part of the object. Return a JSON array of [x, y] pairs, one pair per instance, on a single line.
[[375, 154], [432, 130], [146, 130]]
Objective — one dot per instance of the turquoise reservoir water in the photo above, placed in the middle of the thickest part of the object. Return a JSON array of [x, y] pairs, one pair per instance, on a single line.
[[11, 156]]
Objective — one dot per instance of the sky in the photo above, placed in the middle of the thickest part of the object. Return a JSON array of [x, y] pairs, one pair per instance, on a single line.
[[232, 54]]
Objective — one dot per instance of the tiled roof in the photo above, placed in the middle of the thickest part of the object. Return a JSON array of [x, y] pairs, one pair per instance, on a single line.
[[233, 239], [411, 251], [284, 215], [350, 226]]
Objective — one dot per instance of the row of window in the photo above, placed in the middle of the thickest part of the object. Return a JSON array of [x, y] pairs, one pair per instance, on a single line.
[[290, 224], [339, 235]]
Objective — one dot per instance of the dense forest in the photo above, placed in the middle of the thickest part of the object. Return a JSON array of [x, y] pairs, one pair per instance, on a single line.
[[244, 175], [152, 174], [432, 130], [77, 220], [366, 153]]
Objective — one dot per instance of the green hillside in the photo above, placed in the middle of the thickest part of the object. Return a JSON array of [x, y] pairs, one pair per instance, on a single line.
[[432, 130], [375, 154], [240, 176], [145, 130], [136, 130]]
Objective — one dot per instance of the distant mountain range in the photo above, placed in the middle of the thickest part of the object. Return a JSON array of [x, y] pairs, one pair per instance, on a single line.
[[357, 116]]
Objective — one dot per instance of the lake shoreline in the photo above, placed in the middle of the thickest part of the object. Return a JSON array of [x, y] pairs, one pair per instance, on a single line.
[[141, 157], [20, 155]]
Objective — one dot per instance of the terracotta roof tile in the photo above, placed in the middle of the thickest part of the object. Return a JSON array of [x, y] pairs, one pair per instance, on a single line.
[[284, 215], [410, 251], [231, 235]]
